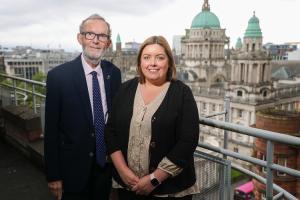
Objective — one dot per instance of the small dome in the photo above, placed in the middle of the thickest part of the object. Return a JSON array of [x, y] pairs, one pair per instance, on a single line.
[[205, 19], [238, 44], [253, 30]]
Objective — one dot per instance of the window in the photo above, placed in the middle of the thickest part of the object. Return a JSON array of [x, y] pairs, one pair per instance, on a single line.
[[265, 93], [240, 113], [264, 170], [235, 149], [239, 93], [242, 75], [282, 162], [263, 196], [204, 106], [213, 107]]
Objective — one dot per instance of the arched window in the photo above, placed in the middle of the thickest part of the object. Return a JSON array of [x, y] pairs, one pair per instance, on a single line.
[[265, 93], [239, 93]]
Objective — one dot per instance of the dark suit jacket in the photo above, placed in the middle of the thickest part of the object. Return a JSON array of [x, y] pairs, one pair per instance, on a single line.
[[69, 132], [175, 132]]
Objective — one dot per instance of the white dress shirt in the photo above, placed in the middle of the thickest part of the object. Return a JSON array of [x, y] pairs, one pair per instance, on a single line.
[[89, 81]]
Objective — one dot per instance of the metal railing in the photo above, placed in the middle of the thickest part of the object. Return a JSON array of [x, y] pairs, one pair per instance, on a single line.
[[269, 136], [17, 91]]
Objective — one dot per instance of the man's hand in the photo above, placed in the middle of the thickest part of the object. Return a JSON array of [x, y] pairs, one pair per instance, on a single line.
[[56, 188]]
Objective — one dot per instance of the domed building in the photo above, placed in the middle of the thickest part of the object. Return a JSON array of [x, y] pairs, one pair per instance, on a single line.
[[203, 49], [243, 74]]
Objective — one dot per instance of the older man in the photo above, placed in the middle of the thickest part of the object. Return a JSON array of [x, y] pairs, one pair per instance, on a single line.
[[79, 96]]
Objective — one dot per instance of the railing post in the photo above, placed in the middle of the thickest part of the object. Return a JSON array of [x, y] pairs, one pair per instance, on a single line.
[[227, 110], [25, 87], [228, 171], [33, 98], [15, 92], [228, 184], [269, 186]]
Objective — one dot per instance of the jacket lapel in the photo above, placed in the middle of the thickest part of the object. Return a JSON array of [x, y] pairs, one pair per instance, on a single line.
[[81, 85], [107, 79]]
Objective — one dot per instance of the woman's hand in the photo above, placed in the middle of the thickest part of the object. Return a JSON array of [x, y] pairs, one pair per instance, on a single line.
[[144, 186], [128, 177], [126, 174]]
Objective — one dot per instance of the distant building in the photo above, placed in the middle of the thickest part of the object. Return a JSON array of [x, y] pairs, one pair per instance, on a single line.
[[124, 58], [2, 66], [132, 46], [25, 62], [294, 55], [24, 68], [279, 51], [284, 155], [177, 44]]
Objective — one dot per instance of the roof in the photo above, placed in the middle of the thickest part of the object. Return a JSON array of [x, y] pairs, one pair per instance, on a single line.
[[282, 73], [253, 30], [246, 188], [206, 19]]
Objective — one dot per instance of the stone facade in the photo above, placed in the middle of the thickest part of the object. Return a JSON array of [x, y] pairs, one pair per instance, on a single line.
[[243, 74]]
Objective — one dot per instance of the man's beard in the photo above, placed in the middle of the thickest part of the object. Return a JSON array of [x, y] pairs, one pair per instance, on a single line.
[[94, 58]]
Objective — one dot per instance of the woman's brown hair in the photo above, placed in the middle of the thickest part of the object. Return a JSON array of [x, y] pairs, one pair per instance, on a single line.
[[160, 40]]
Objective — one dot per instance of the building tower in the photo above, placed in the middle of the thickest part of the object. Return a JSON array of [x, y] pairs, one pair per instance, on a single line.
[[250, 67], [118, 43]]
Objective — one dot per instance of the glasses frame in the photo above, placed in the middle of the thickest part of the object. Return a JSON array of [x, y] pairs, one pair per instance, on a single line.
[[91, 36]]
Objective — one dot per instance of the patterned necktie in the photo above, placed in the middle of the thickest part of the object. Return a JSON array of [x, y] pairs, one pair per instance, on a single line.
[[99, 122]]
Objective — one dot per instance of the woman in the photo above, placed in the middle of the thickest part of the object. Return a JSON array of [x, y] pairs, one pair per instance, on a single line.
[[152, 130]]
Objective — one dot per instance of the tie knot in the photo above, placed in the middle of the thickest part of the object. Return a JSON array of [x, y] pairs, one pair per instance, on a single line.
[[94, 73]]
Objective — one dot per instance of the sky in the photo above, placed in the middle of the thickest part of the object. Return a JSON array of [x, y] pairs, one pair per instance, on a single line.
[[55, 23]]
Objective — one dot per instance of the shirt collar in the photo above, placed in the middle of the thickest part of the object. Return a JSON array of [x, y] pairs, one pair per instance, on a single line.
[[88, 69]]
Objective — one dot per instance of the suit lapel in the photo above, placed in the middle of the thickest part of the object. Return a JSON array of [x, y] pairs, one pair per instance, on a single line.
[[107, 79], [81, 85]]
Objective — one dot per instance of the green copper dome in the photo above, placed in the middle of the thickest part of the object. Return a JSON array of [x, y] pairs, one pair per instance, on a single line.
[[253, 30], [238, 44], [205, 19]]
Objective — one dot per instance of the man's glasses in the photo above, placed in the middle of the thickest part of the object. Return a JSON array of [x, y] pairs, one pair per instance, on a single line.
[[90, 36]]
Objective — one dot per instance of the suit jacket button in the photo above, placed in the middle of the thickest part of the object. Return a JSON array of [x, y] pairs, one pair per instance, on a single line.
[[93, 134], [91, 154], [152, 144], [153, 119]]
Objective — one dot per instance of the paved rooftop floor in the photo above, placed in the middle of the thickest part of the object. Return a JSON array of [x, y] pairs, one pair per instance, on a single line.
[[19, 178]]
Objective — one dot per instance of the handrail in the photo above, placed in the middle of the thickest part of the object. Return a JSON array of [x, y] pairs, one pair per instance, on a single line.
[[23, 79], [255, 132], [250, 159], [270, 137], [16, 90]]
